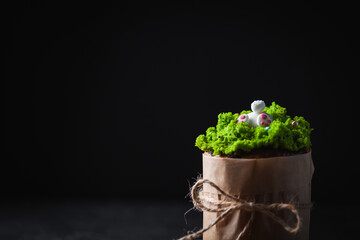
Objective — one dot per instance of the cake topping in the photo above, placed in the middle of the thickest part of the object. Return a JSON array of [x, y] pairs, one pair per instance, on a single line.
[[243, 118], [294, 123], [258, 106], [268, 128], [257, 117]]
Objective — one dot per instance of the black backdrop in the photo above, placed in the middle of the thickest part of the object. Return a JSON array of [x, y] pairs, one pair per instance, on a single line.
[[106, 100]]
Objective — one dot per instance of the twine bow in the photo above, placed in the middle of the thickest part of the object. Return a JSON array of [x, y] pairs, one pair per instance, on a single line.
[[238, 204]]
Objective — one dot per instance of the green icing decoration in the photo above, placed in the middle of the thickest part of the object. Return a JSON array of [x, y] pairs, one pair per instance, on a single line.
[[229, 137]]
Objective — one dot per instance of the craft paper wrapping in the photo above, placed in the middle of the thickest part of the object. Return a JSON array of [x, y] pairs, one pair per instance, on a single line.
[[284, 179]]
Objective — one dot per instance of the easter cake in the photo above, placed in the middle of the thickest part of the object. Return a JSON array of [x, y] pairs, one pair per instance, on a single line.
[[256, 176]]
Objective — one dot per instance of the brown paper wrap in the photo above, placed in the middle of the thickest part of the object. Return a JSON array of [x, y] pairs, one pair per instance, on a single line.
[[284, 179]]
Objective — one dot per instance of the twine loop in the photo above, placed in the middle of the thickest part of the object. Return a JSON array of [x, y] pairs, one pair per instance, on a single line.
[[235, 203]]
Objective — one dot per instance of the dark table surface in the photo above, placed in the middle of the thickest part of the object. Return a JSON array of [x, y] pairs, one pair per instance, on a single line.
[[114, 220]]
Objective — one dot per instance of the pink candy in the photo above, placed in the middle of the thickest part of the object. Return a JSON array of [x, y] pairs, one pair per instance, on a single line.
[[265, 124]]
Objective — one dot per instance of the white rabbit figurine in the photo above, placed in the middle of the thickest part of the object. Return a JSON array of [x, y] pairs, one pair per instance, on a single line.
[[256, 118]]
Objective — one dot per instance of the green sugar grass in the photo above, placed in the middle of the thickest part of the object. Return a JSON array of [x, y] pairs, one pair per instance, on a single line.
[[235, 133]]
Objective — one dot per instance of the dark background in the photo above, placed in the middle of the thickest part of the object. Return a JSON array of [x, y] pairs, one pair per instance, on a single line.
[[105, 100]]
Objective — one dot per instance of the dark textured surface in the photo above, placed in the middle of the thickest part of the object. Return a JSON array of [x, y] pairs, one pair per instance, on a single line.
[[95, 220], [114, 220]]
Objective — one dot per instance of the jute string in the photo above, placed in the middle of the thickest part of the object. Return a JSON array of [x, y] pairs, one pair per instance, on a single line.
[[235, 203]]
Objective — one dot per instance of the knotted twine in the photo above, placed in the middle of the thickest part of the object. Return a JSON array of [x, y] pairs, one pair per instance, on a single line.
[[235, 203]]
